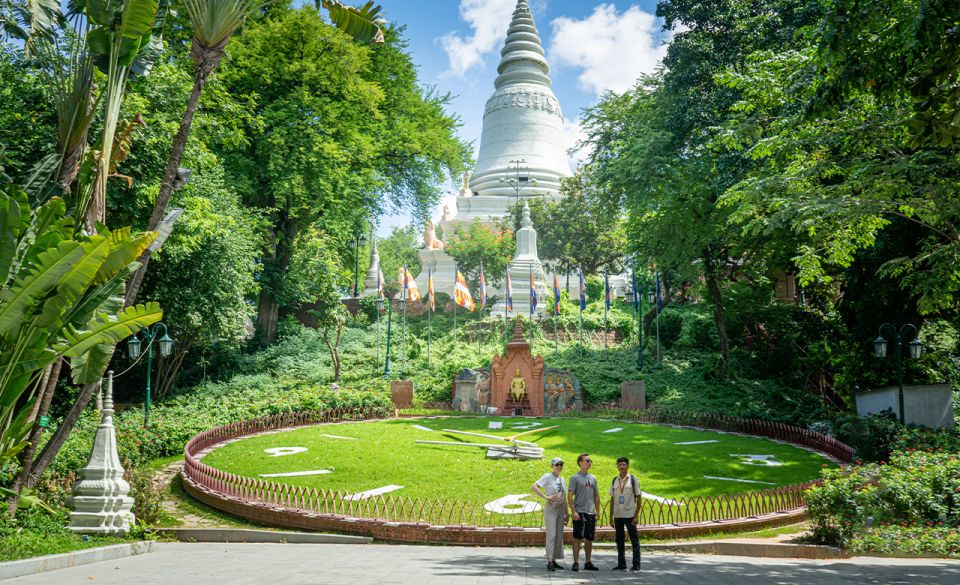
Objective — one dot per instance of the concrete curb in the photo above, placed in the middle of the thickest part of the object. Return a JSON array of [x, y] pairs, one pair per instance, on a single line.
[[243, 535], [11, 569], [735, 548]]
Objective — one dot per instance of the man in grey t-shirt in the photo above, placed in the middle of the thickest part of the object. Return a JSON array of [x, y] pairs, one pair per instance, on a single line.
[[584, 500]]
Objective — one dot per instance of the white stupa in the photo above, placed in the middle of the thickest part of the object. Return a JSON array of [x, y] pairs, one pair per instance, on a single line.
[[522, 148]]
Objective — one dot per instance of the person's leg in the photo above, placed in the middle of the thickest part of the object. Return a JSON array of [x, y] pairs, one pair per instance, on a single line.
[[634, 542], [576, 550], [578, 526], [589, 529], [558, 536], [549, 520], [618, 524]]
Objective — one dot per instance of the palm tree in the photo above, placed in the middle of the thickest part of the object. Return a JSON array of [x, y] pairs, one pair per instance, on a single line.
[[214, 22]]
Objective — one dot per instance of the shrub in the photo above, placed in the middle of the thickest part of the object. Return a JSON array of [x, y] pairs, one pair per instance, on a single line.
[[917, 488]]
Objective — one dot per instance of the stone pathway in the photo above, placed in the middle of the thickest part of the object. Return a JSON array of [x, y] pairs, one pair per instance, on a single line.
[[379, 564], [172, 506]]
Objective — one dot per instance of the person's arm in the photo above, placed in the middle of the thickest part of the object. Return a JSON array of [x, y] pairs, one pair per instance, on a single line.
[[573, 509], [536, 489], [639, 495], [596, 495], [611, 510]]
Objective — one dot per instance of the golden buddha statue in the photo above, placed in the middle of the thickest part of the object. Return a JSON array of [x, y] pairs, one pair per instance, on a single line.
[[518, 387]]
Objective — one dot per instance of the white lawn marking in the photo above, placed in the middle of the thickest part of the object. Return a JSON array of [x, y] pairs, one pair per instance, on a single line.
[[697, 442], [338, 437], [614, 430], [659, 499], [512, 504], [495, 425], [374, 492], [281, 451], [762, 460], [740, 480], [297, 473], [526, 425], [422, 428]]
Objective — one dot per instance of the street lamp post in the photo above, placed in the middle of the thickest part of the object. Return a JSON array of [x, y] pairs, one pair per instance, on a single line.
[[379, 311], [638, 294], [134, 349], [520, 181], [402, 305], [898, 336]]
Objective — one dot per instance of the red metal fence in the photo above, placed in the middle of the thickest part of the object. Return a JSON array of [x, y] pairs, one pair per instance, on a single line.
[[454, 512]]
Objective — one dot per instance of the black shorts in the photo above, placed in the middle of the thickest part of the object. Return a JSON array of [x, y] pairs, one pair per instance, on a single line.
[[586, 527]]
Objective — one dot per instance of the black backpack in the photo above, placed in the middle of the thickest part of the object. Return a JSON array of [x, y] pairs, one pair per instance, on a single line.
[[633, 483]]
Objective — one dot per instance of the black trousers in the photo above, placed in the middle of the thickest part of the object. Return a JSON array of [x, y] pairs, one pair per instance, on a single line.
[[619, 524]]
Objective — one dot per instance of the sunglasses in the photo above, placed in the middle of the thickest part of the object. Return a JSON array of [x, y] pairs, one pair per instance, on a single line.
[[558, 464]]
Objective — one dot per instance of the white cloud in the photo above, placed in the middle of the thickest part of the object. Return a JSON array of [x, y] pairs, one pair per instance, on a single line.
[[489, 20], [573, 133], [611, 49]]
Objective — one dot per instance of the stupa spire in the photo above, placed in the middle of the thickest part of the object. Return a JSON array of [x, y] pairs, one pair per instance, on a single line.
[[522, 58]]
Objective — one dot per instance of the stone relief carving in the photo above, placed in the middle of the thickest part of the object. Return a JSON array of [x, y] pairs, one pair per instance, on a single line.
[[523, 98]]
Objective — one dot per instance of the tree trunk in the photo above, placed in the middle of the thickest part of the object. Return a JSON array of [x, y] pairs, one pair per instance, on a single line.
[[713, 284], [268, 311], [334, 349], [205, 61], [49, 384]]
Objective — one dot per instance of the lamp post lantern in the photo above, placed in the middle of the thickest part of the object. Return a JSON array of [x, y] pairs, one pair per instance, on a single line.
[[898, 337], [519, 181], [134, 346]]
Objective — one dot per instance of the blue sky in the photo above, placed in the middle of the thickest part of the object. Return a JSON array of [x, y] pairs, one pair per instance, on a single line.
[[592, 46]]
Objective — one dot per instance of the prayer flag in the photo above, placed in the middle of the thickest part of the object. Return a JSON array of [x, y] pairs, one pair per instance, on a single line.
[[583, 292], [659, 299], [533, 294], [556, 295], [509, 293], [606, 287], [379, 282], [431, 298], [461, 293], [413, 293]]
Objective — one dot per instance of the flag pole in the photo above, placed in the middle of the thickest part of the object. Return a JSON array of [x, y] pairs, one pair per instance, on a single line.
[[403, 336], [378, 338], [531, 306], [455, 269], [659, 303], [606, 309], [581, 303], [430, 307]]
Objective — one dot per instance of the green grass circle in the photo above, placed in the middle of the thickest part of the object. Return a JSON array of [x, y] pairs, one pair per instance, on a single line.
[[380, 453]]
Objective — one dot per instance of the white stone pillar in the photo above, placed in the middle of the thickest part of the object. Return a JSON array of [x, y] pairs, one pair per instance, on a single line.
[[100, 502]]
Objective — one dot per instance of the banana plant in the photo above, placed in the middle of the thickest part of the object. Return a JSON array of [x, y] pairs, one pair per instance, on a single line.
[[61, 297], [120, 32]]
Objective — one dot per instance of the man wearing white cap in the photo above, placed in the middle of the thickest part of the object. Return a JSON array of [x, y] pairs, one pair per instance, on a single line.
[[552, 488]]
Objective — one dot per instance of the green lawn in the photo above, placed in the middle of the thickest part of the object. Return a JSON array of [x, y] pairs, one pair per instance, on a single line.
[[385, 452]]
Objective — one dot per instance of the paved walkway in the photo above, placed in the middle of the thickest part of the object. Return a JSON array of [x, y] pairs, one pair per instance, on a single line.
[[381, 564]]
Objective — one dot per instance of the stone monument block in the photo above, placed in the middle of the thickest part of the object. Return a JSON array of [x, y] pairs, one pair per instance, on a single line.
[[633, 395], [401, 392]]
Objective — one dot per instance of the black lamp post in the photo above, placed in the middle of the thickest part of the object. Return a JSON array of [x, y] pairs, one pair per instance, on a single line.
[[898, 337], [134, 349]]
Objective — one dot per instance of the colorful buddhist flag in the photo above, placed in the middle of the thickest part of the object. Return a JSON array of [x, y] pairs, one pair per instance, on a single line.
[[483, 290], [431, 297], [556, 295], [606, 288], [533, 294], [461, 293], [509, 293], [413, 293], [583, 292], [379, 282]]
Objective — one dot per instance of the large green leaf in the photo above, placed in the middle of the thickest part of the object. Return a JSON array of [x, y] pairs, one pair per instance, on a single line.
[[75, 282], [137, 19], [13, 437], [43, 276], [101, 12], [125, 249], [106, 297], [109, 329], [10, 227], [363, 23], [214, 21], [89, 367]]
